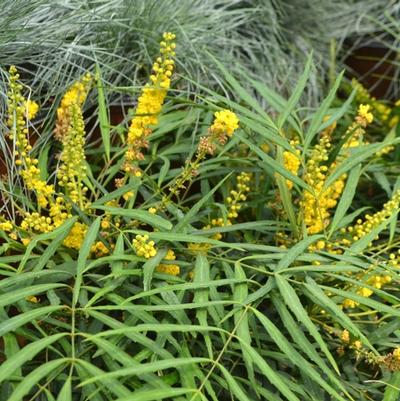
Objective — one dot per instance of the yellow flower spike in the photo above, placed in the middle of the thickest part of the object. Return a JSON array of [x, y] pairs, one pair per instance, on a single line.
[[149, 105], [364, 227], [74, 96], [207, 145], [72, 170], [76, 236], [345, 336], [18, 112], [316, 205], [291, 162], [380, 109], [233, 203], [144, 247]]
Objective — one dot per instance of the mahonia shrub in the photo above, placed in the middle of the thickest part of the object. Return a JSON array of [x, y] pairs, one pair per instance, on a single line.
[[199, 249]]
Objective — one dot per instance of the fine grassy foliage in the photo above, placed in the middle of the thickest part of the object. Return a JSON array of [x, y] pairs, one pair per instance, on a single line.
[[54, 43], [209, 252]]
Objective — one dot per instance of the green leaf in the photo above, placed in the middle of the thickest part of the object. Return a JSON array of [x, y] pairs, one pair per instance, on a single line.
[[202, 275], [273, 164], [358, 155], [132, 185], [66, 391], [141, 215], [337, 313], [155, 395], [346, 198], [270, 374], [59, 233], [164, 170], [240, 294], [149, 266], [117, 267], [234, 386], [392, 391], [295, 251], [241, 92], [11, 348], [34, 377], [109, 383], [321, 112], [14, 322], [296, 94], [286, 197], [103, 113], [145, 368], [294, 304], [18, 295], [84, 253], [302, 341], [197, 206], [294, 356], [43, 160]]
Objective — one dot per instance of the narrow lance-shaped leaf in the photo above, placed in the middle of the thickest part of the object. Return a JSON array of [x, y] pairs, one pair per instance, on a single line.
[[201, 275], [293, 302]]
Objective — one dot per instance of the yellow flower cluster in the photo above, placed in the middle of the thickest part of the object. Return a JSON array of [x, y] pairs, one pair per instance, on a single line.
[[291, 162], [382, 110], [99, 249], [172, 269], [396, 353], [72, 169], [31, 109], [149, 104], [365, 116], [345, 337], [36, 222], [238, 195], [375, 281], [316, 205], [144, 247], [234, 204], [356, 130], [76, 236], [75, 96], [6, 226], [362, 228], [206, 146], [225, 122]]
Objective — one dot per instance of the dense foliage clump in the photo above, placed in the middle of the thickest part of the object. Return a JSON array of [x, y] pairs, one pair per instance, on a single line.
[[200, 249]]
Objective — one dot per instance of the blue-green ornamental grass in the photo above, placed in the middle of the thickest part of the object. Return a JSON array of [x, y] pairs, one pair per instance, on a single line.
[[196, 276]]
